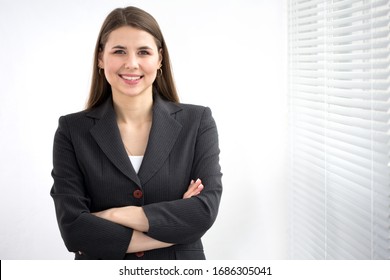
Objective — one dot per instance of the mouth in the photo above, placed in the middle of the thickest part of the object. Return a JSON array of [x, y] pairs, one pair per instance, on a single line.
[[131, 78]]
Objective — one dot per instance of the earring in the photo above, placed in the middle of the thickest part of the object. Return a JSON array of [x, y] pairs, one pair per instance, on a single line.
[[159, 72], [100, 71]]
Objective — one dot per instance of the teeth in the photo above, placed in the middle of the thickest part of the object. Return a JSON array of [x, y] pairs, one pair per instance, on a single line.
[[131, 78]]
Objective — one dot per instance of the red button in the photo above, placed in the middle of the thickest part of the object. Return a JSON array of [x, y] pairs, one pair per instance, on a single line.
[[138, 194], [140, 254]]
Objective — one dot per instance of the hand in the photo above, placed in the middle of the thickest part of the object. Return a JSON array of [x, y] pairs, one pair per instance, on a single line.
[[194, 189], [129, 216], [142, 242], [105, 214]]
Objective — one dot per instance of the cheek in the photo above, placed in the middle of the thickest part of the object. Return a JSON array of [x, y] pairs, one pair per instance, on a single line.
[[151, 67], [112, 65]]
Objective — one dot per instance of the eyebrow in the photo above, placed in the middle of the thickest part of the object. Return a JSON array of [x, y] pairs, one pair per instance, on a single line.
[[119, 47], [124, 48]]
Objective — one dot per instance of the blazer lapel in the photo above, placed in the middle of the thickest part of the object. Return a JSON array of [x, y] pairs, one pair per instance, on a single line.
[[106, 134], [163, 135]]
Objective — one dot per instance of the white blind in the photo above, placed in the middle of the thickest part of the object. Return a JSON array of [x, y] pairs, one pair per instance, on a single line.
[[339, 83]]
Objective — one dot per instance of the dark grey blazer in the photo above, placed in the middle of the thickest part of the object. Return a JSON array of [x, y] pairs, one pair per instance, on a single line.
[[92, 172]]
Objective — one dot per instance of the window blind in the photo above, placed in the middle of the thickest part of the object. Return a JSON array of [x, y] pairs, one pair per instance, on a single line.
[[339, 99]]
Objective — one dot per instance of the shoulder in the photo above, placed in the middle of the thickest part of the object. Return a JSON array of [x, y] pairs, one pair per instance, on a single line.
[[89, 115], [195, 115], [76, 123], [181, 111], [192, 107], [73, 118], [197, 110]]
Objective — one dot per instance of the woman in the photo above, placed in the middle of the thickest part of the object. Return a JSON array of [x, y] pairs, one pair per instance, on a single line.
[[136, 175]]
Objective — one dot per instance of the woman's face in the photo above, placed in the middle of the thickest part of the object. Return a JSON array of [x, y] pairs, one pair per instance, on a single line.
[[130, 60]]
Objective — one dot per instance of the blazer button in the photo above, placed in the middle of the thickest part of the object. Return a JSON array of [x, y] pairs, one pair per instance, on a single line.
[[140, 254], [138, 194]]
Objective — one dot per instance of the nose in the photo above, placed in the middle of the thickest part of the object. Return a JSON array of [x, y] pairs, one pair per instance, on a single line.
[[131, 61]]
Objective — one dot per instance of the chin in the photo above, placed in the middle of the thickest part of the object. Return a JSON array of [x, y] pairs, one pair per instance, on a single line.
[[133, 93]]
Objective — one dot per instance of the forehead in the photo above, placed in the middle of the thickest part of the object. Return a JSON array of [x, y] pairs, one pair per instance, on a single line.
[[130, 37]]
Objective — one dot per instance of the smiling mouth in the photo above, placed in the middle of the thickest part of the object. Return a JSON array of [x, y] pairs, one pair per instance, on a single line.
[[131, 78]]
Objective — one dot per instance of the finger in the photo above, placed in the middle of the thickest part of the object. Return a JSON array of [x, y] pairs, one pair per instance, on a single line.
[[199, 189], [192, 190], [196, 190], [195, 183]]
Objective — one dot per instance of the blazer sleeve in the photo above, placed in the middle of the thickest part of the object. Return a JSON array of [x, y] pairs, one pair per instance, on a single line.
[[186, 220], [80, 230]]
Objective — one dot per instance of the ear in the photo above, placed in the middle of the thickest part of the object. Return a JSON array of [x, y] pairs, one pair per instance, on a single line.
[[160, 54], [100, 60]]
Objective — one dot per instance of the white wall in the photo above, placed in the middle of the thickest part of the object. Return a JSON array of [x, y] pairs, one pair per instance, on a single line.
[[228, 54]]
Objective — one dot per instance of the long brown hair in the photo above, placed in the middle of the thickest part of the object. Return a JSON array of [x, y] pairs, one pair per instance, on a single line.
[[134, 17]]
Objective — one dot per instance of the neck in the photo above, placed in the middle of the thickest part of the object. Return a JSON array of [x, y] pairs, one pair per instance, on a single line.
[[131, 109]]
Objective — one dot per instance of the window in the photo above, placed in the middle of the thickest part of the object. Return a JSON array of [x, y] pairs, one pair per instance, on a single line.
[[339, 98]]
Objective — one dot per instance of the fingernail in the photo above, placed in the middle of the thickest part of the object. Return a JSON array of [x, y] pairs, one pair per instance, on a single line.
[[197, 180], [200, 186]]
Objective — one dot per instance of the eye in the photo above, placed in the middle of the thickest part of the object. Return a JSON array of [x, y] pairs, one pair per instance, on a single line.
[[119, 52], [143, 52]]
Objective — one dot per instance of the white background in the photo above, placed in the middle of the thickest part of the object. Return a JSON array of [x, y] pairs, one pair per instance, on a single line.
[[230, 55]]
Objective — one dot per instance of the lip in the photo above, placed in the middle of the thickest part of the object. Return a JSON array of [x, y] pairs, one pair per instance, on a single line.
[[131, 79]]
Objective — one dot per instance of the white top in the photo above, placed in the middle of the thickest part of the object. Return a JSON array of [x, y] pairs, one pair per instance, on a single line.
[[136, 161]]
